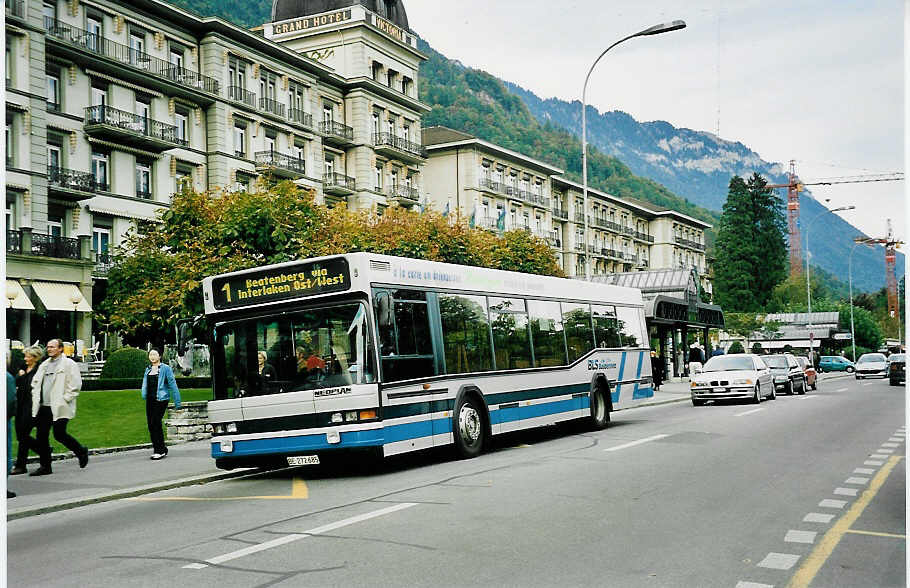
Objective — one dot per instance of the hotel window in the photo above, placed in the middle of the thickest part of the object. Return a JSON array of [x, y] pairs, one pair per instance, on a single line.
[[137, 49], [296, 99], [9, 143], [406, 84], [485, 209], [329, 166], [49, 10], [143, 107], [53, 90], [54, 155], [267, 83], [377, 126], [328, 114], [299, 152], [181, 118], [406, 132], [101, 240], [538, 223], [99, 97], [526, 220], [513, 218], [376, 70], [394, 180], [94, 28], [55, 225], [390, 77], [10, 41], [143, 179], [184, 177], [99, 169], [270, 140], [240, 140], [497, 175], [175, 56], [377, 178], [390, 127]]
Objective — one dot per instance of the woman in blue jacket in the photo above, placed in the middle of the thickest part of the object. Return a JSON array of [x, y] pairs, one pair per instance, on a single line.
[[160, 378]]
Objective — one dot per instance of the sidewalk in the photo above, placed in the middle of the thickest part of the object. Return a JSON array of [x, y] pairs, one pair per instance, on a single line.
[[115, 475]]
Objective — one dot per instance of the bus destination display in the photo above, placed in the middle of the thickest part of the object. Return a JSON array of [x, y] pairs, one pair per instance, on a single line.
[[286, 283]]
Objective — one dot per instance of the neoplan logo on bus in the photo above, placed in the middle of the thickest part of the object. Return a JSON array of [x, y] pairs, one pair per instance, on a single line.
[[285, 283]]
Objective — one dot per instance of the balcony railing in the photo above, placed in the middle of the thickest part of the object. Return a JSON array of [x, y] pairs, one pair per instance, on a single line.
[[580, 247], [107, 115], [491, 185], [53, 106], [126, 55], [644, 237], [299, 116], [579, 218], [399, 143], [144, 194], [271, 106], [485, 222], [560, 213], [68, 179], [54, 246], [283, 161], [242, 95], [15, 8], [409, 193], [103, 262], [336, 129], [688, 243], [340, 180], [13, 241]]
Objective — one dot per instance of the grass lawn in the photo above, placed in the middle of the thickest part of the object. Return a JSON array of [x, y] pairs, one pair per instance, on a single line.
[[112, 418]]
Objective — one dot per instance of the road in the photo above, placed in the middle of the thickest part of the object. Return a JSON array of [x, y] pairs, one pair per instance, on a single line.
[[805, 490]]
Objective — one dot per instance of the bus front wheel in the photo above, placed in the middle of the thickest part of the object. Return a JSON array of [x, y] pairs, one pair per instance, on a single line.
[[600, 410], [470, 427]]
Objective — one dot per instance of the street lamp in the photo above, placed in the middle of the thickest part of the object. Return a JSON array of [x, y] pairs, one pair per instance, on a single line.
[[856, 241], [75, 298], [808, 290], [655, 30], [11, 295]]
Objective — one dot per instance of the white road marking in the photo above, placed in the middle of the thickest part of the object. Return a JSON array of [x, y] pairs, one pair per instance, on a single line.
[[856, 480], [297, 536], [841, 390], [891, 444], [634, 443], [884, 450], [793, 536], [779, 561], [878, 456], [831, 503], [868, 383], [899, 437], [749, 412], [742, 584], [817, 517], [864, 471], [874, 462], [846, 491]]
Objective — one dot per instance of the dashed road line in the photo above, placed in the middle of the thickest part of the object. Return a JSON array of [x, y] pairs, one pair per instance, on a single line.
[[794, 536], [817, 517], [846, 491], [297, 536], [841, 390], [879, 456], [856, 480], [634, 443], [875, 462], [891, 444], [831, 503], [779, 561], [885, 450], [867, 471], [742, 584], [748, 412]]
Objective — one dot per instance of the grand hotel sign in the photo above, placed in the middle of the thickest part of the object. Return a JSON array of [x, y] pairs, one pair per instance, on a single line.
[[310, 22]]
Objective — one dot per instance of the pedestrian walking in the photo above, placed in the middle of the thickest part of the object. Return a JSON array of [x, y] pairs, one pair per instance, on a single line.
[[10, 410], [158, 388], [717, 351], [657, 370], [696, 358], [55, 387], [24, 422]]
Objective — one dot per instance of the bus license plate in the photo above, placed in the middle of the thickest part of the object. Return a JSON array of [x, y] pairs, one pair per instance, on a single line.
[[720, 389], [300, 460]]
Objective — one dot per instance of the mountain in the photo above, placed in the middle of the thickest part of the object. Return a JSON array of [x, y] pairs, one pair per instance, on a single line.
[[698, 165], [680, 168]]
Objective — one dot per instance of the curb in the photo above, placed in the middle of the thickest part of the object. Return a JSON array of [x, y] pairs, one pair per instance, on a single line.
[[126, 493], [685, 398]]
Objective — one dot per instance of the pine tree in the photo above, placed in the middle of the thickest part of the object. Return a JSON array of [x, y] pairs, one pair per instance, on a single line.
[[770, 246], [734, 268]]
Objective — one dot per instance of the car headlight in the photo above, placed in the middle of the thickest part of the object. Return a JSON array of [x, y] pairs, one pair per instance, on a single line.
[[695, 384], [780, 378], [742, 382]]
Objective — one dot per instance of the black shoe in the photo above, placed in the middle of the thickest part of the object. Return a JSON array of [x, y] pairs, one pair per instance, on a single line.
[[18, 470], [42, 471], [83, 458], [10, 494]]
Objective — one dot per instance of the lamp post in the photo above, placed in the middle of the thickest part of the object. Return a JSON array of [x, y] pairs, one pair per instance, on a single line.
[[808, 290], [856, 241], [75, 298], [655, 30]]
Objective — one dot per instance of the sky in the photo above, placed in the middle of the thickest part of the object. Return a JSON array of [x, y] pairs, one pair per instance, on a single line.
[[819, 82]]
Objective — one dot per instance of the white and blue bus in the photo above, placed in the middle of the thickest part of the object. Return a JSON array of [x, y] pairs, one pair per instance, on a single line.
[[367, 351]]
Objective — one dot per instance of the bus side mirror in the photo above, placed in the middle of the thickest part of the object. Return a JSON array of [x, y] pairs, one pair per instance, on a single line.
[[184, 335], [384, 309]]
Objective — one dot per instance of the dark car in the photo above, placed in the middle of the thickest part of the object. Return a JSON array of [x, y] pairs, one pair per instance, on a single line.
[[897, 369], [789, 377], [809, 370]]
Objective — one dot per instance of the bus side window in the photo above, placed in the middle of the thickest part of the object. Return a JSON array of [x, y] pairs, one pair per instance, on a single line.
[[579, 335], [606, 329], [547, 333], [406, 347], [511, 343], [465, 333], [386, 322], [630, 321]]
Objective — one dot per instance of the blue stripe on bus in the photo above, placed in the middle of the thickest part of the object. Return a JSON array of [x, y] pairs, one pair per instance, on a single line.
[[644, 392], [622, 367], [637, 376]]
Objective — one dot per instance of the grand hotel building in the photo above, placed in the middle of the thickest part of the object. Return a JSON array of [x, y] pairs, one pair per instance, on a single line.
[[111, 106]]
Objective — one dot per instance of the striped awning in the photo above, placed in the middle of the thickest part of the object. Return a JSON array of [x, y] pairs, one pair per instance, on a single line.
[[60, 296], [16, 297]]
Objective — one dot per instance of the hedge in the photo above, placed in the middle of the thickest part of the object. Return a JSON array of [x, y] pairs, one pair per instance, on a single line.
[[136, 383], [126, 362]]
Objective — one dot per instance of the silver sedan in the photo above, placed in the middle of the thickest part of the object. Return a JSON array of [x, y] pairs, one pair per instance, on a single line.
[[741, 375]]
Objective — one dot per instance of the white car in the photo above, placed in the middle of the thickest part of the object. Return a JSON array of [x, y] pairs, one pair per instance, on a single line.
[[871, 364], [739, 375]]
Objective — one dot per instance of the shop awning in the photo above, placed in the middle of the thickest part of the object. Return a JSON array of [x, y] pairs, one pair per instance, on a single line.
[[780, 344], [20, 301], [58, 296]]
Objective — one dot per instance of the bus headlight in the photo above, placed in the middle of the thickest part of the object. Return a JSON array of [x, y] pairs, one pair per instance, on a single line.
[[218, 428], [230, 428], [350, 415], [336, 417]]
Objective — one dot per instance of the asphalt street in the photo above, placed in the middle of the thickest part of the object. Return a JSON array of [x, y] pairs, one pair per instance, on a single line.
[[803, 490]]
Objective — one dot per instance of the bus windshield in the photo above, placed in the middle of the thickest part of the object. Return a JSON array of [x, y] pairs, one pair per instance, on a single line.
[[314, 348]]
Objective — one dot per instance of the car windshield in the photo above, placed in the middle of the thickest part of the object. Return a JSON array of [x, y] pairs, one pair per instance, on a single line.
[[725, 363], [775, 361], [871, 358], [315, 348]]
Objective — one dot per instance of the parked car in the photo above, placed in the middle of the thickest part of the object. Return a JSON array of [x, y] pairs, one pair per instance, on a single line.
[[897, 369], [789, 377], [741, 375], [809, 370], [835, 363], [871, 364]]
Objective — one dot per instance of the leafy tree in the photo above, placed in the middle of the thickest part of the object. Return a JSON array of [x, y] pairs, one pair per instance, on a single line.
[[757, 348], [156, 278], [743, 323]]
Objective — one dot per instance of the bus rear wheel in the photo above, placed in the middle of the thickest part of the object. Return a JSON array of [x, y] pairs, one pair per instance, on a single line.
[[600, 410], [470, 427]]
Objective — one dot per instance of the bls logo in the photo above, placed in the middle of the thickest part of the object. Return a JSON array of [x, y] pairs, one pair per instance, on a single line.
[[600, 364]]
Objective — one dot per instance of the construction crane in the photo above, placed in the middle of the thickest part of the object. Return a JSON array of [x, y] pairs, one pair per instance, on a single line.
[[891, 246], [794, 186]]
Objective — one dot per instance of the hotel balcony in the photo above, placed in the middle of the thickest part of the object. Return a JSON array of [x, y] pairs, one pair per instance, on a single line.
[[336, 133], [43, 245], [687, 243], [405, 195], [126, 127], [337, 184], [15, 8], [134, 65], [301, 117], [103, 263], [242, 95], [399, 148], [560, 214], [272, 107], [493, 187], [280, 164], [72, 185]]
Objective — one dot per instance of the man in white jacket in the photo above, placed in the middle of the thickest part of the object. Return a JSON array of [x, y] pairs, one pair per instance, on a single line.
[[54, 390]]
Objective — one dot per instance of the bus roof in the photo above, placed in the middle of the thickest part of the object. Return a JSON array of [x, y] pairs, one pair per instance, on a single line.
[[363, 270]]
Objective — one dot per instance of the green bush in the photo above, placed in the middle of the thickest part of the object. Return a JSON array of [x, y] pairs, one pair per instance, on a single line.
[[756, 348], [126, 362], [736, 347]]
